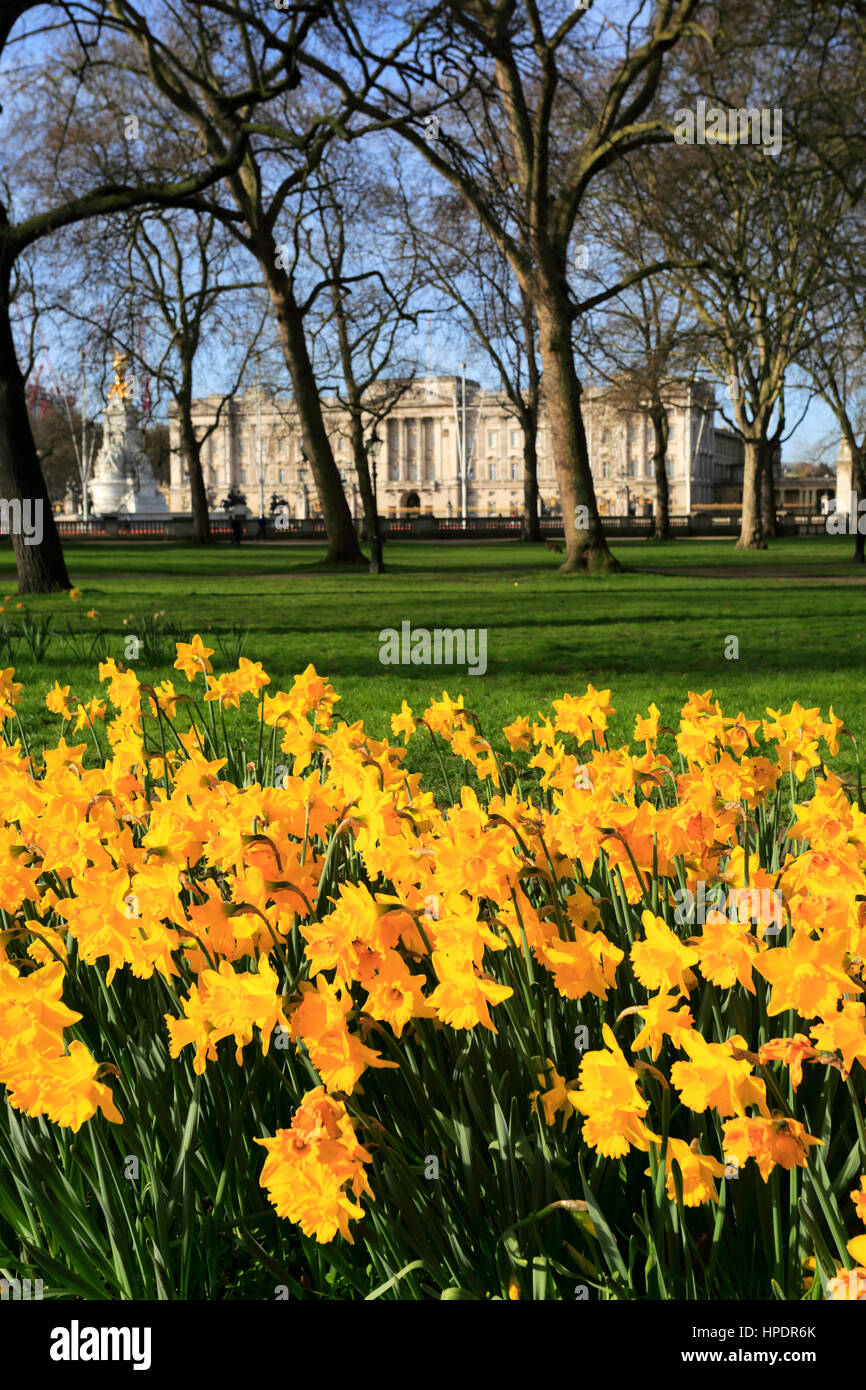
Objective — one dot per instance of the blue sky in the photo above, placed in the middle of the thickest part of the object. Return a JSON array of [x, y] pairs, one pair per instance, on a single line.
[[817, 426]]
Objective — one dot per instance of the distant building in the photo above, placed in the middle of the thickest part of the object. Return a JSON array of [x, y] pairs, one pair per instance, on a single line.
[[729, 465], [418, 458], [810, 493]]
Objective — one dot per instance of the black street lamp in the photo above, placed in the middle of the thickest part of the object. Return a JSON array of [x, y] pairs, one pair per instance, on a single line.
[[376, 566]]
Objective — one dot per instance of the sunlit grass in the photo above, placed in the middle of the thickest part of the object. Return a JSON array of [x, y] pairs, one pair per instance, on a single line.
[[653, 632]]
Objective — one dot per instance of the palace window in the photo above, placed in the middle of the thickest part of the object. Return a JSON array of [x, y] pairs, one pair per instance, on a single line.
[[605, 468], [492, 439], [515, 469], [632, 468], [493, 470], [515, 439], [605, 436], [282, 475]]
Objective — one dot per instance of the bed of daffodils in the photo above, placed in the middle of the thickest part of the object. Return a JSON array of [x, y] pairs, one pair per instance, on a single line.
[[277, 1021]]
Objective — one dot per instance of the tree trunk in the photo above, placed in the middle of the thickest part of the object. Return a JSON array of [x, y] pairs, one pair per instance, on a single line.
[[362, 468], [359, 453], [751, 529], [191, 450], [661, 430], [530, 526], [585, 544], [768, 492], [342, 537], [41, 566]]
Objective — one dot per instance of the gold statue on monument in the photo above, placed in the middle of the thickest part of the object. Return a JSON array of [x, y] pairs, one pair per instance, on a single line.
[[120, 386]]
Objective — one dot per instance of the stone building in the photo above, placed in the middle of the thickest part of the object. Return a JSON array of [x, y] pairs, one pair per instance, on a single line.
[[810, 494], [845, 493], [257, 448]]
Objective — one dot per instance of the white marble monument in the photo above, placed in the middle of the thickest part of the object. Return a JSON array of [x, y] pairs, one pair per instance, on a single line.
[[122, 481]]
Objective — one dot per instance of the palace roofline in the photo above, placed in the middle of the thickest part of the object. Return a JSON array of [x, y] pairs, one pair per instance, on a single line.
[[420, 385]]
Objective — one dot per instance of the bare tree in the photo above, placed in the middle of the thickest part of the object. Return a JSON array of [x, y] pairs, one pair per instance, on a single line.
[[749, 196], [760, 225], [644, 342], [68, 198], [346, 236], [261, 199], [835, 352], [520, 108], [179, 277], [824, 43], [63, 419], [464, 265]]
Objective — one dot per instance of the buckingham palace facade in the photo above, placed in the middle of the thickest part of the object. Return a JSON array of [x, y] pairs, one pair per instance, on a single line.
[[257, 448]]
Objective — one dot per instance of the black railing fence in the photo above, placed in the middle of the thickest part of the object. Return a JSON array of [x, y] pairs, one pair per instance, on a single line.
[[426, 527]]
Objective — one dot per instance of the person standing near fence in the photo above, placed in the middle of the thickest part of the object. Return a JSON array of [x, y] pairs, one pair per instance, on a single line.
[[238, 515]]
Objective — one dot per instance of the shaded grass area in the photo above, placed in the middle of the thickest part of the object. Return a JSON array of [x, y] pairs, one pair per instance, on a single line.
[[654, 632]]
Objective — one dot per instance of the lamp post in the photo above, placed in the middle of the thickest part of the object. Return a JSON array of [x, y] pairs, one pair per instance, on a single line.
[[260, 465], [463, 489], [620, 485], [376, 566], [84, 458]]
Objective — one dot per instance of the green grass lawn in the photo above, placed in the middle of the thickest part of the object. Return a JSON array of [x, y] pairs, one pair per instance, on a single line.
[[654, 632]]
